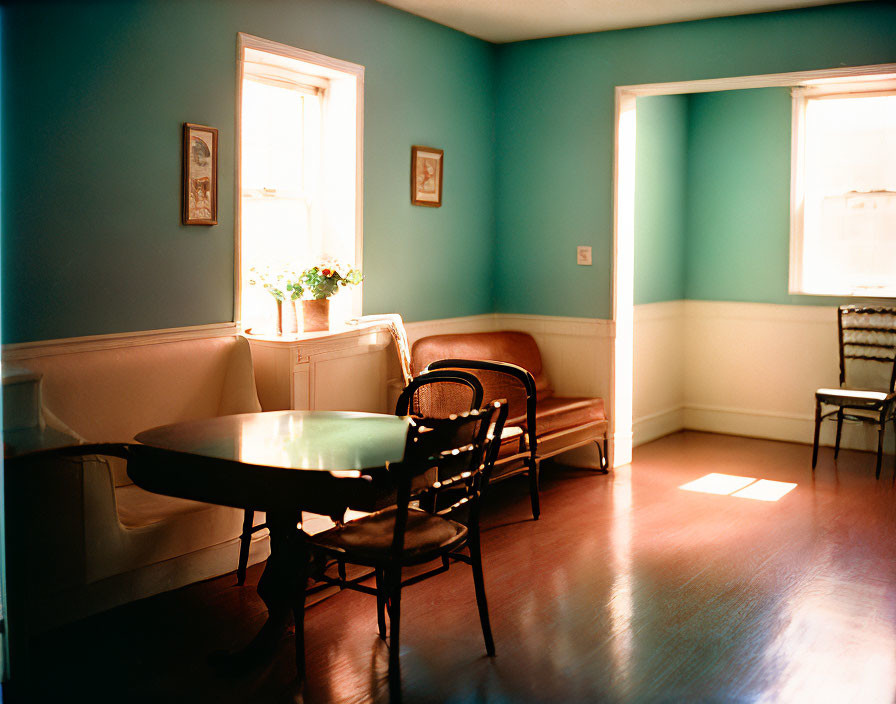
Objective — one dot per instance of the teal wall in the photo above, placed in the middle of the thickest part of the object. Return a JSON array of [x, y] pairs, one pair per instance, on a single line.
[[556, 130], [661, 198], [94, 96], [738, 203], [738, 198]]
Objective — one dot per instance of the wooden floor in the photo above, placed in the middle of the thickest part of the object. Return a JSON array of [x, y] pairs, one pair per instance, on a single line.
[[628, 589]]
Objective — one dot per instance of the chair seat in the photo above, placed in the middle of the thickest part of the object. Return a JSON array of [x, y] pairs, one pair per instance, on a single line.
[[852, 397], [368, 540]]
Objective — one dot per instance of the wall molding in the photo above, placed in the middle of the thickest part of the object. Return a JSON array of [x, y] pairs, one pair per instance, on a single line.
[[763, 312], [533, 324], [558, 325], [72, 345]]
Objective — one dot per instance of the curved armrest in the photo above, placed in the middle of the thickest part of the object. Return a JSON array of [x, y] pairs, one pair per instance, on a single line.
[[517, 372]]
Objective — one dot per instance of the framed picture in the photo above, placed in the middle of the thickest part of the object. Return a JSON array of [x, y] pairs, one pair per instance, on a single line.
[[200, 175], [426, 176]]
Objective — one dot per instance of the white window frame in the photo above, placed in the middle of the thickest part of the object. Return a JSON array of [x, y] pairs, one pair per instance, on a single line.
[[327, 69], [842, 87]]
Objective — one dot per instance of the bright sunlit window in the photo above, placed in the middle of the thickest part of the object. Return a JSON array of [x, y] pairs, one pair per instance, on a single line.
[[300, 174], [843, 232]]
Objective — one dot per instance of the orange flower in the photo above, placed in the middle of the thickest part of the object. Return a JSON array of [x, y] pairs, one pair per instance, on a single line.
[[327, 272]]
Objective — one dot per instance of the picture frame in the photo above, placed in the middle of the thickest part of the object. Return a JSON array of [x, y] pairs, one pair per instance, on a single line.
[[426, 176], [200, 175]]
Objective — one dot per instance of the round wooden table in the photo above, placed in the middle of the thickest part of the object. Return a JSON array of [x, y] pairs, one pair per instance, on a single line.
[[283, 463]]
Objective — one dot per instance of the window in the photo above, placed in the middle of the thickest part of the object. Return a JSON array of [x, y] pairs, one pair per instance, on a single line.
[[843, 190], [299, 172]]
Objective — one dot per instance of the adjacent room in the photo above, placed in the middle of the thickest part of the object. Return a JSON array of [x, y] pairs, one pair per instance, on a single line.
[[565, 331]]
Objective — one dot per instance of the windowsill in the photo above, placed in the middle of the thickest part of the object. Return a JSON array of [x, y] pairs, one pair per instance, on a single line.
[[886, 294], [336, 332]]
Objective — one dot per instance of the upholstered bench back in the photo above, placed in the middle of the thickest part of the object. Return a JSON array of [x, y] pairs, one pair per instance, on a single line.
[[510, 346], [110, 395]]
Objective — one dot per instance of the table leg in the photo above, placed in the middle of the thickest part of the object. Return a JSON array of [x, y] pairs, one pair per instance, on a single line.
[[281, 588]]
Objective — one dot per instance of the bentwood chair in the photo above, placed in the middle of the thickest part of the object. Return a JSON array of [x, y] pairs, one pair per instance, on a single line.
[[448, 391], [460, 450], [867, 392]]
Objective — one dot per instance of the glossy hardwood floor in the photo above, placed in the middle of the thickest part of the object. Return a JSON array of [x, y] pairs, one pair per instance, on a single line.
[[628, 589]]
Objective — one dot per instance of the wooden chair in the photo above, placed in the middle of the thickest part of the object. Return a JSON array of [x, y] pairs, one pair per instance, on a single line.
[[458, 391], [461, 450], [867, 392], [445, 390]]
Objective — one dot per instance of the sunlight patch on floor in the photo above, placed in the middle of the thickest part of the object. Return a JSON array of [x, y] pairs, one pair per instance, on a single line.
[[741, 487]]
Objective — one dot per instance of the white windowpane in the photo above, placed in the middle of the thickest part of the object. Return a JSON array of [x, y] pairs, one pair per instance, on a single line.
[[849, 196], [298, 163]]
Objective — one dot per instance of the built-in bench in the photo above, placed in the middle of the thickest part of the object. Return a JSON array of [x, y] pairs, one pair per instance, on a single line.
[[83, 537]]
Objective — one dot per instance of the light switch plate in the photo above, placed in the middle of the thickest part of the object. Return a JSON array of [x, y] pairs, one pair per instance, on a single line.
[[583, 256]]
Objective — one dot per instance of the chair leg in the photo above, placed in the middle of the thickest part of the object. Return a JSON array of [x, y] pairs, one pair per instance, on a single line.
[[880, 443], [817, 428], [839, 431], [393, 578], [602, 457], [894, 451], [381, 603], [245, 541], [533, 488], [479, 583]]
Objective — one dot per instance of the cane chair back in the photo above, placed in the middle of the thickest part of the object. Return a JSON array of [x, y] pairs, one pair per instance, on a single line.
[[440, 394]]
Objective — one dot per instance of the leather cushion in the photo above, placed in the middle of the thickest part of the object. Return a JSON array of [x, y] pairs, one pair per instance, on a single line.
[[369, 539], [510, 346], [561, 412]]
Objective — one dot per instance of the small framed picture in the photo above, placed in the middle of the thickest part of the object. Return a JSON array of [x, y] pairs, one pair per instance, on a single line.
[[426, 176], [200, 175]]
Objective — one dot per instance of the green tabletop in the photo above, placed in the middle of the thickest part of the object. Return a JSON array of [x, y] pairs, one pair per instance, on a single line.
[[308, 440]]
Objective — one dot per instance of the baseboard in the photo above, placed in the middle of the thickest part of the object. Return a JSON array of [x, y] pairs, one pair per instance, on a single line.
[[779, 426], [657, 425]]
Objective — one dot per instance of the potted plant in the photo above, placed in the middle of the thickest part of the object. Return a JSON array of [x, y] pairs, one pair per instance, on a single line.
[[279, 285], [321, 282]]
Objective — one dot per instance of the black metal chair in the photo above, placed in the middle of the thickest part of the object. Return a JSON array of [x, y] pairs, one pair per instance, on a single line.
[[461, 450], [867, 392], [457, 391]]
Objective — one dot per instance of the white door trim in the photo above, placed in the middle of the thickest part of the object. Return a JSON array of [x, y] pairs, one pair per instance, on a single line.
[[623, 219]]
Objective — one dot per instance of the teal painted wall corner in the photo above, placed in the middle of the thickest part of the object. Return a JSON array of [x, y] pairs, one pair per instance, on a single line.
[[661, 198], [556, 129]]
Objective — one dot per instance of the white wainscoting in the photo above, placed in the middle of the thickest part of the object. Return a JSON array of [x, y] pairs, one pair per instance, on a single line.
[[746, 369], [658, 395]]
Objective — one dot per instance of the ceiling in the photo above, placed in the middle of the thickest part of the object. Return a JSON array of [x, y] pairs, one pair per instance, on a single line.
[[514, 20]]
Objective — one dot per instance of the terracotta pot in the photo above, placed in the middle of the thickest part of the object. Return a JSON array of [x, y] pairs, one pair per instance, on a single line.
[[316, 315]]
